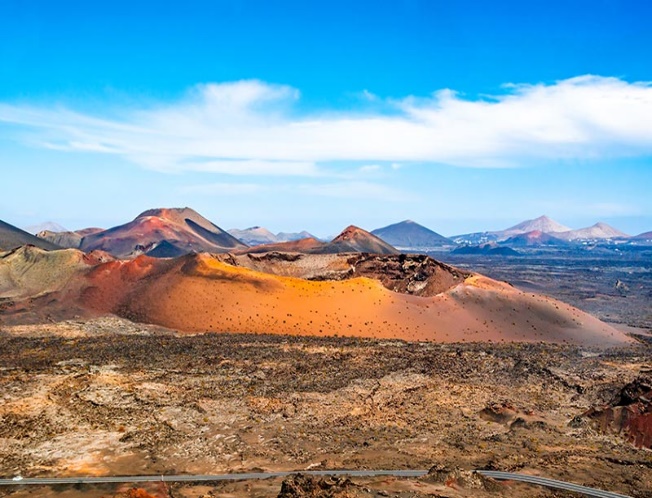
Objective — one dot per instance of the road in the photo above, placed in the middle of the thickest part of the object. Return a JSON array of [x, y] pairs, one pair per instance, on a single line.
[[550, 483], [540, 481]]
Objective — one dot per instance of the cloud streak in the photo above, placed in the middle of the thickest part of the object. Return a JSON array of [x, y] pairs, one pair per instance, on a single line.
[[255, 128]]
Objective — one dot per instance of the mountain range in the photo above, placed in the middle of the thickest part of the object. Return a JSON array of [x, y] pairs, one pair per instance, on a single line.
[[170, 232], [254, 236], [542, 225]]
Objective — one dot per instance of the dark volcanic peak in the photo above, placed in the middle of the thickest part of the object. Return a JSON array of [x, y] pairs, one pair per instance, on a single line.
[[12, 237], [182, 229], [410, 234]]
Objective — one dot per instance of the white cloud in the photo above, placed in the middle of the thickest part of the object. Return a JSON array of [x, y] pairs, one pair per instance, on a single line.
[[359, 190], [222, 189], [253, 128]]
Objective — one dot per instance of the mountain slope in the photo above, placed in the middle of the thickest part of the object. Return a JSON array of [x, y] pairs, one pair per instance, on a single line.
[[409, 234], [182, 229], [354, 239], [12, 237], [533, 239], [67, 240], [598, 231], [541, 224], [382, 296], [254, 236], [48, 225]]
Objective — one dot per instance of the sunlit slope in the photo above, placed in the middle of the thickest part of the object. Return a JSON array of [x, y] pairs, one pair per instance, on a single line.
[[200, 293]]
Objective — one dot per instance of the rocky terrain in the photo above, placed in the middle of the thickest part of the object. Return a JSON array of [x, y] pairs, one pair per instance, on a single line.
[[110, 397]]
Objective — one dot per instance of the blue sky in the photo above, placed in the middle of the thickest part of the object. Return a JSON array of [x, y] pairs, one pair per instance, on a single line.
[[313, 115]]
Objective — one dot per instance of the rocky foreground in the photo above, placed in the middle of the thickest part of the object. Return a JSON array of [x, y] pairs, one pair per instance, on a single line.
[[109, 397]]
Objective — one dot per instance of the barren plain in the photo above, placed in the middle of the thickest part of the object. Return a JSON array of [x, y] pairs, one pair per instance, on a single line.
[[110, 397]]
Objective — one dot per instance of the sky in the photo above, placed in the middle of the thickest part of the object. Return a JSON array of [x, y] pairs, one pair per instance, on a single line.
[[461, 115]]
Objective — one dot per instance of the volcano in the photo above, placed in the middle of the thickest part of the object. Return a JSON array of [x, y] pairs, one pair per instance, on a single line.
[[179, 231]]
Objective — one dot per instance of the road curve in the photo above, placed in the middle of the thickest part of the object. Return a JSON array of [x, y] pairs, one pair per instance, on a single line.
[[44, 481], [540, 481], [550, 483]]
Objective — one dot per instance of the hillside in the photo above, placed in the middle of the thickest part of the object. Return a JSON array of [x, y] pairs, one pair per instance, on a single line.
[[534, 238], [182, 231], [598, 231], [254, 236], [382, 296], [408, 234], [352, 239], [12, 237], [541, 224], [67, 239]]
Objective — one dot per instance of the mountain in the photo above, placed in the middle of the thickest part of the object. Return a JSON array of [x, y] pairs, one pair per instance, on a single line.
[[409, 297], [643, 236], [290, 236], [68, 240], [354, 239], [182, 229], [51, 226], [308, 245], [533, 239], [542, 224], [598, 231], [408, 234], [254, 236], [259, 235], [12, 237]]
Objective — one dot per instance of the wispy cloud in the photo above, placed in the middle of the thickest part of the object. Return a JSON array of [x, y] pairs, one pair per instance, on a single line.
[[358, 190], [255, 128]]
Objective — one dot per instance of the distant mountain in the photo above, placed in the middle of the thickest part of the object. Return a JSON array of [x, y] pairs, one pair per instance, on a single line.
[[533, 239], [352, 239], [542, 224], [408, 234], [643, 236], [12, 237], [307, 246], [290, 236], [598, 231], [486, 249], [254, 236], [182, 229], [259, 235], [68, 240], [50, 226]]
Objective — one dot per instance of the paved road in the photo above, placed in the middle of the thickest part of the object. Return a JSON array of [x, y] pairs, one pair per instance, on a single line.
[[551, 483], [202, 478], [540, 481]]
